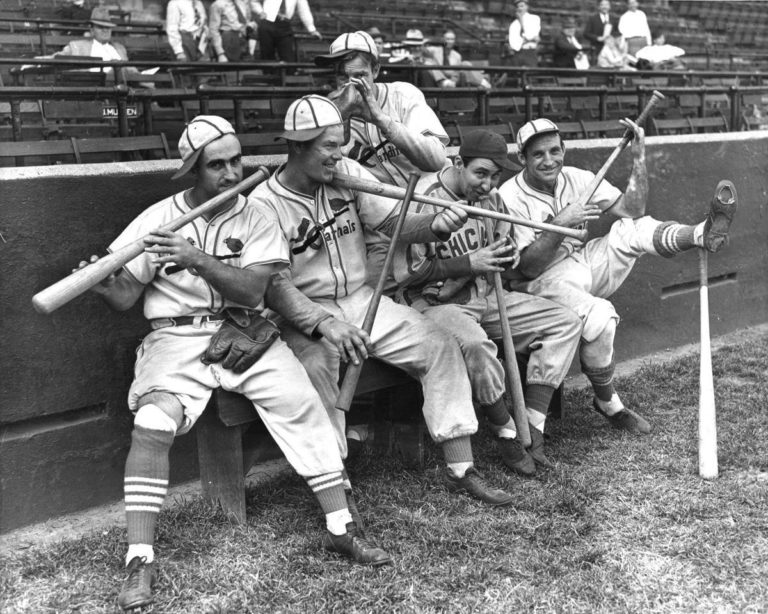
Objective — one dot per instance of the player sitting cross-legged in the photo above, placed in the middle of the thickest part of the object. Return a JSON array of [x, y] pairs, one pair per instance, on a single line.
[[323, 297], [582, 275], [449, 281], [203, 287]]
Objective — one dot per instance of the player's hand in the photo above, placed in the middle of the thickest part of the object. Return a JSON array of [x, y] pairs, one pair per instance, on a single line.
[[316, 35], [370, 110], [574, 215], [351, 341], [494, 258], [171, 247], [105, 284], [638, 142], [449, 220]]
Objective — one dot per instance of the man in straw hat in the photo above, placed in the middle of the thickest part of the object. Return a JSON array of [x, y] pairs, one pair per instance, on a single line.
[[203, 287], [322, 298]]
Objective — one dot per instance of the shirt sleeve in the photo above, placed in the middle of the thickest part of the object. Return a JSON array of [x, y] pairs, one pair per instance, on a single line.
[[305, 15], [173, 17], [266, 243], [142, 268], [515, 37]]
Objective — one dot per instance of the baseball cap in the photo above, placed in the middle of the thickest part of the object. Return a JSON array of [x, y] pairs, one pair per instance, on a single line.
[[483, 143], [308, 116], [201, 131], [100, 17], [347, 43], [532, 128], [414, 38]]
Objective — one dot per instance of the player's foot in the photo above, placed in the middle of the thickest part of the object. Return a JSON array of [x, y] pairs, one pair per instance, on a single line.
[[475, 485], [720, 216], [625, 419], [356, 547], [515, 457], [536, 449], [137, 588]]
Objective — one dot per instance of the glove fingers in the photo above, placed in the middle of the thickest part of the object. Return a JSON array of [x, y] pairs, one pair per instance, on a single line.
[[232, 357]]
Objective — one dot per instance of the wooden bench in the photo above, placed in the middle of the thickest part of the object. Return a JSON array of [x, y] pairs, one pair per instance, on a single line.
[[231, 438]]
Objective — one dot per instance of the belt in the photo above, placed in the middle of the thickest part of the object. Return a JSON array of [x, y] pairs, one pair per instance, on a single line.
[[196, 321]]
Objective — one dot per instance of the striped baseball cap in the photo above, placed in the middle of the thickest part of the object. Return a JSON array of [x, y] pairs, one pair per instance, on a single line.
[[533, 128], [347, 43], [308, 117], [201, 131]]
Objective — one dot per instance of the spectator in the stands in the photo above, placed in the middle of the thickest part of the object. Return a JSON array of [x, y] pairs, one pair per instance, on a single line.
[[660, 55], [186, 24], [378, 38], [276, 37], [633, 25], [231, 24], [614, 53], [568, 51], [76, 10], [595, 30], [524, 36], [447, 55]]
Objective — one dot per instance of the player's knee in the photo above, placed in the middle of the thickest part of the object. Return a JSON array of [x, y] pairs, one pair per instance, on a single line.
[[159, 411], [600, 320]]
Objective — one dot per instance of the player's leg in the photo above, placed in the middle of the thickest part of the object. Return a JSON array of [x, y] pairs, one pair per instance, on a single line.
[[293, 413], [486, 375], [549, 333]]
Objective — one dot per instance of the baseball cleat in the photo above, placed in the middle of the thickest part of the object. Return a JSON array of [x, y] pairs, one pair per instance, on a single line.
[[515, 457], [475, 485], [356, 547], [137, 588], [536, 449], [625, 420], [720, 216]]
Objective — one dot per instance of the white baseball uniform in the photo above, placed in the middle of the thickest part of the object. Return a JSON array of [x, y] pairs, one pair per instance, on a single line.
[[547, 331], [327, 278], [168, 359], [582, 275]]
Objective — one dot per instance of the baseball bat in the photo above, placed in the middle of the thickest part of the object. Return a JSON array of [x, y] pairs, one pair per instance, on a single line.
[[63, 291], [352, 374], [392, 191], [707, 412], [656, 97], [514, 383]]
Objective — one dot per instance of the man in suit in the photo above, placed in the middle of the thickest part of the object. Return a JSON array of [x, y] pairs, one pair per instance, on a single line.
[[595, 30], [569, 52]]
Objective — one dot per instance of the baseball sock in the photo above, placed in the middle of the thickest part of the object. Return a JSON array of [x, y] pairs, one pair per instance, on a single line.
[[145, 487], [329, 490], [458, 455], [537, 399], [670, 238], [602, 384], [500, 420]]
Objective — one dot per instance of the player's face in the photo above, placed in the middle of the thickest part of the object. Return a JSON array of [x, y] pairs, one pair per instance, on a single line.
[[477, 178], [543, 160], [356, 67], [319, 157], [219, 167]]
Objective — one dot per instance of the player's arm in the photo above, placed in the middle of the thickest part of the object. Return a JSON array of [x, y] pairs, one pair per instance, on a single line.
[[425, 227], [242, 286], [120, 290], [632, 203]]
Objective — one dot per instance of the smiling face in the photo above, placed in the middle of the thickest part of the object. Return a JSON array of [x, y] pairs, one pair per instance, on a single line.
[[476, 177], [316, 160], [543, 160], [219, 167]]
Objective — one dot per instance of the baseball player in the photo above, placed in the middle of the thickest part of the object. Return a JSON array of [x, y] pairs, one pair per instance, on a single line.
[[581, 275], [219, 264], [446, 281], [322, 299]]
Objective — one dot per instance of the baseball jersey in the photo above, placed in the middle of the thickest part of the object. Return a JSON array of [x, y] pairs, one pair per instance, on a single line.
[[244, 233], [412, 262], [527, 202], [405, 103], [325, 231]]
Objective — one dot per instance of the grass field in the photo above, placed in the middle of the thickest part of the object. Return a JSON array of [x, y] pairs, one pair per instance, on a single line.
[[623, 524]]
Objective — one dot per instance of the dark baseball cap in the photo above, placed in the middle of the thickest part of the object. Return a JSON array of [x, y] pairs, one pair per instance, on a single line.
[[486, 144]]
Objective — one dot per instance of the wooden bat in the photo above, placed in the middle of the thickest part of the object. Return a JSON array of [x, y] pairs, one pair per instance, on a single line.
[[352, 374], [514, 383], [707, 413], [74, 285], [392, 191], [625, 140]]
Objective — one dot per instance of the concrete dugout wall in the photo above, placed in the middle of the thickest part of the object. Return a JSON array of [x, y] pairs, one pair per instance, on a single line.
[[64, 426]]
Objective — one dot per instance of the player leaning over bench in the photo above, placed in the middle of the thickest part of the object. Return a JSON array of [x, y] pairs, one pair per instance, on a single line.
[[323, 298], [203, 310]]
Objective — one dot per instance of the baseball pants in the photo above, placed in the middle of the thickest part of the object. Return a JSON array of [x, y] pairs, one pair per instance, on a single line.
[[404, 338], [168, 360]]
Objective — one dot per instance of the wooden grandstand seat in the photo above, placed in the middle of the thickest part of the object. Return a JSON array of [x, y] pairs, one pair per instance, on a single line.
[[262, 143], [25, 153], [594, 129], [91, 150]]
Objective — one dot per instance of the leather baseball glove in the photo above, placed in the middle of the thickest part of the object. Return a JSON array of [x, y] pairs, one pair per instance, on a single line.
[[241, 340]]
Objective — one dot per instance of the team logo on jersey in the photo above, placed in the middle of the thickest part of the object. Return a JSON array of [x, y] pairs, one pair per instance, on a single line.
[[234, 245], [368, 156], [462, 242], [311, 234]]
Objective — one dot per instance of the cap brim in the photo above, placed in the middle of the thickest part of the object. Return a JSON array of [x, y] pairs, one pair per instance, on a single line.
[[188, 164], [303, 135], [505, 163], [331, 58]]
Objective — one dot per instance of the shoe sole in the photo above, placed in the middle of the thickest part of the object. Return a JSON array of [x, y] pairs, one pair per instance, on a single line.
[[721, 214]]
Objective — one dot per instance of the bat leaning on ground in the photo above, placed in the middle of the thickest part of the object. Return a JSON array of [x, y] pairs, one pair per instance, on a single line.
[[707, 414], [74, 285]]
